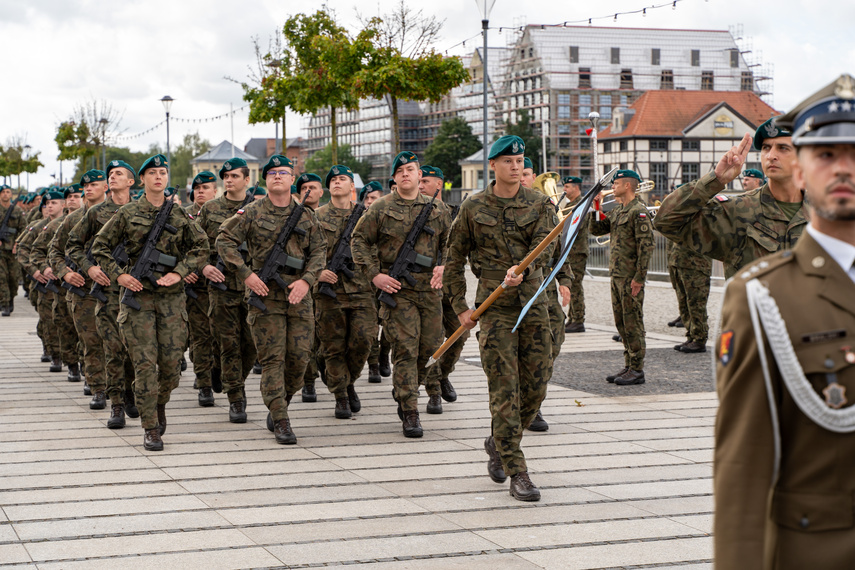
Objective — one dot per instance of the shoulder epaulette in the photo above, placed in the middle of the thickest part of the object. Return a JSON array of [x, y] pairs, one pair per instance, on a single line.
[[765, 265]]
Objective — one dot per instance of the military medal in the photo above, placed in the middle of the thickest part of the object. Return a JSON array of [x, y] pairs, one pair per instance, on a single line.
[[835, 394]]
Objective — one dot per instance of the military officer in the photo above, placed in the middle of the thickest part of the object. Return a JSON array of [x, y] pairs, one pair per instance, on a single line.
[[8, 264], [752, 179], [346, 323], [737, 230], [690, 274], [629, 258], [413, 325], [283, 332], [494, 230], [577, 260], [785, 367], [157, 333]]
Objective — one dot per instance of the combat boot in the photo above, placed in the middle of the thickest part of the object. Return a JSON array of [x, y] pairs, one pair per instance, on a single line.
[[309, 394], [87, 391], [73, 373], [617, 338], [256, 368], [99, 401], [206, 397], [434, 405], [46, 357], [494, 462], [679, 347], [161, 418], [574, 328], [283, 434], [692, 347], [447, 390], [412, 426], [237, 414], [117, 417], [678, 322], [55, 364], [383, 364], [538, 423], [217, 380], [522, 489], [7, 311], [152, 441], [611, 377], [342, 408], [131, 404], [355, 404], [630, 377], [374, 374], [183, 364]]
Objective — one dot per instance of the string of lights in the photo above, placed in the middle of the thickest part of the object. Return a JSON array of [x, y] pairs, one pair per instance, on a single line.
[[182, 120], [143, 133]]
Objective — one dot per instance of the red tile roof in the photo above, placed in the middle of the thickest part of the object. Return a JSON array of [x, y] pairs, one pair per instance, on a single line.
[[667, 113]]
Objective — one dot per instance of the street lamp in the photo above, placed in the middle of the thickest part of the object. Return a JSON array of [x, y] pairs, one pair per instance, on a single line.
[[103, 122], [27, 149], [484, 6], [167, 104]]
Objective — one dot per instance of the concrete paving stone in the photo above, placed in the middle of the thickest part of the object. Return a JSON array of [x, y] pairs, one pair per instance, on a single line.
[[225, 559], [85, 465], [666, 433], [697, 412], [26, 420], [657, 489], [470, 562], [320, 511], [7, 533], [89, 433], [605, 461], [87, 493], [480, 483], [630, 426], [103, 508], [13, 553], [623, 418], [284, 465], [312, 494], [536, 451], [219, 459], [422, 473], [702, 504], [497, 495], [544, 514], [274, 482], [703, 523], [698, 455], [76, 479], [679, 443], [389, 448], [633, 474], [627, 554], [80, 453], [157, 542], [374, 548], [410, 459], [531, 439]]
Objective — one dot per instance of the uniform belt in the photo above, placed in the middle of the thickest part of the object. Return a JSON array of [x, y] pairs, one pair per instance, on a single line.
[[498, 275]]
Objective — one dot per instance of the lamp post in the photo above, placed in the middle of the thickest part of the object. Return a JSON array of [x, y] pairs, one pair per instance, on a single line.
[[167, 104], [27, 149], [103, 123], [485, 6], [276, 65]]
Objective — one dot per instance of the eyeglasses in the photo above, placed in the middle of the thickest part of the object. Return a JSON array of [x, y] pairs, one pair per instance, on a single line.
[[278, 173]]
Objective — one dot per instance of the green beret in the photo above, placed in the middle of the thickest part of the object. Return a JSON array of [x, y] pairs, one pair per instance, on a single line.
[[204, 177], [627, 174], [826, 117], [372, 186], [92, 176], [391, 183], [508, 145], [294, 189], [232, 164], [41, 191], [337, 170], [402, 158], [169, 192], [5, 187], [55, 194], [768, 130], [156, 161], [74, 189], [571, 180], [307, 177], [120, 164], [527, 163], [259, 191], [753, 173], [276, 161], [432, 172]]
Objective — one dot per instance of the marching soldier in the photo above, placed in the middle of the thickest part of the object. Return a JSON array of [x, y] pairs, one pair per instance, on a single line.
[[494, 230], [690, 275], [23, 248], [283, 332], [752, 179], [412, 324], [378, 359], [156, 333], [631, 248], [577, 260], [15, 226], [785, 367]]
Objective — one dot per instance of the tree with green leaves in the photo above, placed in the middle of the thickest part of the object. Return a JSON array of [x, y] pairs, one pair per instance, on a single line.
[[321, 162], [15, 159], [530, 136], [84, 135], [452, 143]]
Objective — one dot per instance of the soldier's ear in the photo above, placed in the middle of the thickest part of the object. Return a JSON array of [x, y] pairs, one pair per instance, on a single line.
[[798, 173]]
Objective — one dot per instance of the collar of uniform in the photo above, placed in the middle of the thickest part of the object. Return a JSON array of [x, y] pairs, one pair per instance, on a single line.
[[418, 199], [493, 200], [840, 251], [771, 209], [629, 204]]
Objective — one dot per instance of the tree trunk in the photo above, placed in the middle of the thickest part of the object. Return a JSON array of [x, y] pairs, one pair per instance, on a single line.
[[396, 135], [334, 138]]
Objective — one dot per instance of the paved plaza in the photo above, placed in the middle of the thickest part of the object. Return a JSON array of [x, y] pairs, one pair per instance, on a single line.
[[626, 479]]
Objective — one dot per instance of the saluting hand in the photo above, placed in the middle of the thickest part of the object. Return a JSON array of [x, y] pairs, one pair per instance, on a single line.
[[730, 165]]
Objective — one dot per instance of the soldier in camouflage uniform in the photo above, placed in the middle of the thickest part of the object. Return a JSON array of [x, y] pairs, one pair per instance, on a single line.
[[752, 179], [118, 368], [631, 248], [737, 230], [414, 325], [203, 349], [378, 359], [283, 333], [577, 260], [495, 230], [347, 323], [23, 248], [228, 309], [690, 276], [156, 334], [8, 264]]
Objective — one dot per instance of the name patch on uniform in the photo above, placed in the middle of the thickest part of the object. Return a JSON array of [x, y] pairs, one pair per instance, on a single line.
[[823, 336], [721, 198], [725, 349]]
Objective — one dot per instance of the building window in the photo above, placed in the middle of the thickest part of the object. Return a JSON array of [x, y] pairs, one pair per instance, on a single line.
[[584, 77], [626, 79], [747, 81], [707, 81], [734, 58], [564, 160], [563, 128], [666, 80], [623, 166], [563, 105], [563, 142], [659, 176], [691, 145], [607, 147], [658, 144], [615, 55], [585, 143], [623, 145], [605, 106], [654, 56], [607, 167], [691, 171], [574, 54], [696, 58], [584, 106]]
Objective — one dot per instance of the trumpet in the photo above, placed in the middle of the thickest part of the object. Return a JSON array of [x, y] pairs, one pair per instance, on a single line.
[[645, 186], [548, 184]]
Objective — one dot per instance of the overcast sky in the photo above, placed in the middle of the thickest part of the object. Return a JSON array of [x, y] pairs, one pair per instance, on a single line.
[[58, 53]]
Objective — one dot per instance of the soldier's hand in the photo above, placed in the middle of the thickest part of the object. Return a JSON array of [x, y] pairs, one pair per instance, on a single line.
[[75, 279], [169, 279], [564, 291], [328, 276], [128, 282], [256, 285], [465, 319], [635, 287], [48, 272], [191, 278], [14, 248], [511, 278], [98, 276], [436, 280], [298, 288], [213, 274], [38, 276], [385, 283], [730, 165]]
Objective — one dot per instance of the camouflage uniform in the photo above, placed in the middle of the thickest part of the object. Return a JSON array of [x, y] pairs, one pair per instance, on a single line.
[[564, 277], [629, 257], [578, 262], [283, 335], [228, 309], [690, 276], [735, 230], [204, 351], [414, 326], [346, 325], [24, 248], [118, 368], [9, 269], [495, 234], [157, 333]]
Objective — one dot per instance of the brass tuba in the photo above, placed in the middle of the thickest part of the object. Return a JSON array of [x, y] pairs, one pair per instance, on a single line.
[[549, 184]]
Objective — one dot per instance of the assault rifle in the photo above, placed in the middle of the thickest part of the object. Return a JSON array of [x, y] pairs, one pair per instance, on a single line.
[[5, 230], [342, 258], [278, 259], [150, 259], [120, 256], [66, 285], [220, 265], [408, 261], [50, 286]]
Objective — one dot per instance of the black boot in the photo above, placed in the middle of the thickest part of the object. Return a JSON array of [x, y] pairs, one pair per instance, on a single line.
[[55, 364], [7, 311], [434, 405], [494, 463], [522, 489], [256, 368], [87, 391], [183, 364], [283, 433], [374, 374], [412, 425], [355, 404], [538, 423], [237, 414], [342, 408], [99, 401], [117, 417], [383, 365], [206, 397], [448, 393], [152, 441], [131, 404], [45, 357], [73, 372], [308, 393], [217, 380], [161, 418]]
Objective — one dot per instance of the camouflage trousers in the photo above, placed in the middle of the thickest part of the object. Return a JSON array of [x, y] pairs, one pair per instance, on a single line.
[[283, 337], [629, 320], [9, 275], [380, 344], [49, 331], [556, 319], [69, 343], [118, 367], [346, 328], [204, 352], [85, 321], [312, 358], [576, 312], [518, 366], [228, 317], [414, 328], [155, 336], [693, 292], [448, 360]]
